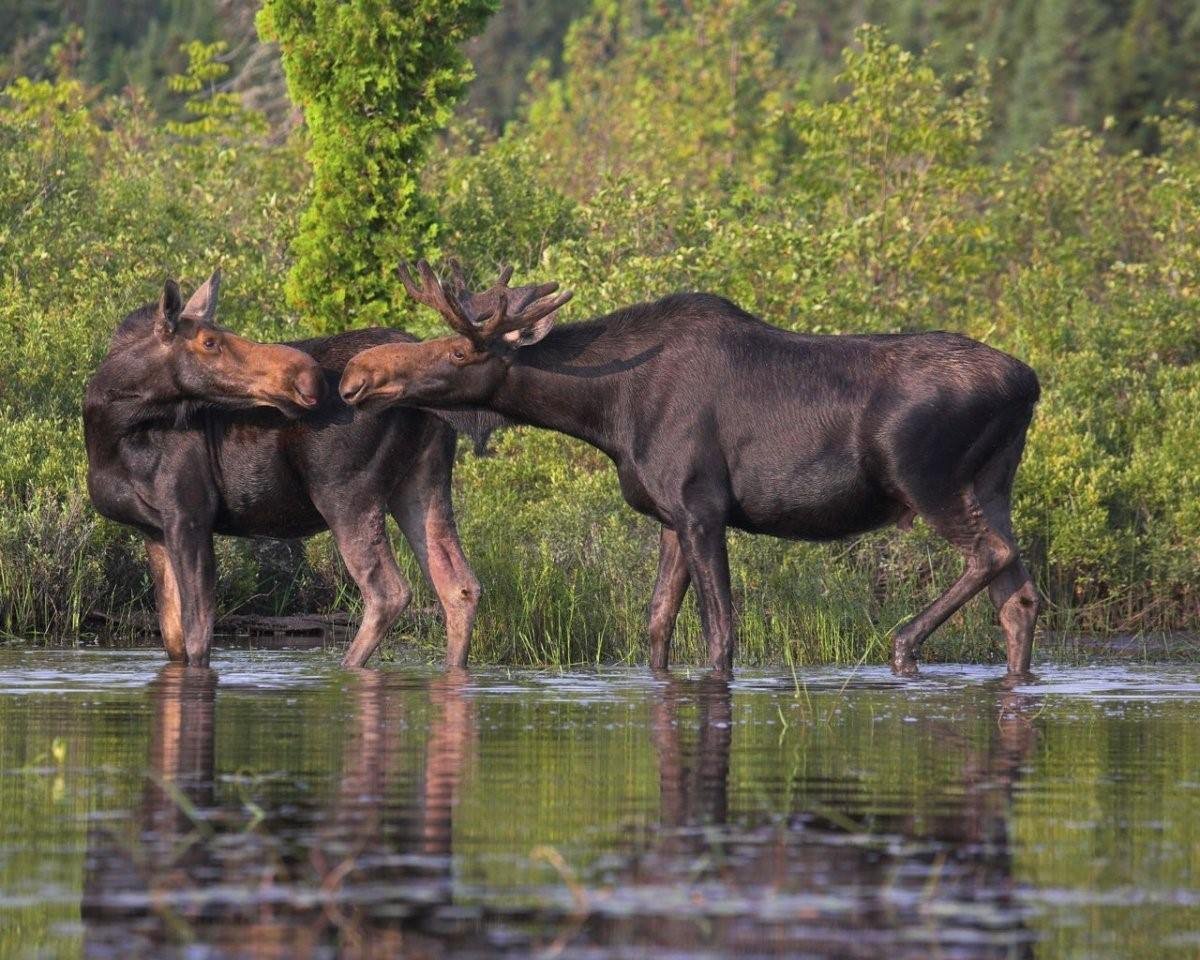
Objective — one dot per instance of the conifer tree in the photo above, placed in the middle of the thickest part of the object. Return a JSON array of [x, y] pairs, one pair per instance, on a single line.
[[375, 79]]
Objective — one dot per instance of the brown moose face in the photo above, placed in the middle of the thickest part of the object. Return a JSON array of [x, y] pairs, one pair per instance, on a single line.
[[214, 365], [447, 372]]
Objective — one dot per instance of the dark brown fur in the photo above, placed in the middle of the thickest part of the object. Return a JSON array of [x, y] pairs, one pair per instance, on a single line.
[[716, 419], [256, 442]]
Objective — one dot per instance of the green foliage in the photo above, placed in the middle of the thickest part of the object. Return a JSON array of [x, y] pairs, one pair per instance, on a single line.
[[881, 208], [214, 113], [690, 99], [376, 80], [106, 45], [495, 206]]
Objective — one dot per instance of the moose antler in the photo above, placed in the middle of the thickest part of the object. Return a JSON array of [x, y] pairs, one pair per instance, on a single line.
[[482, 316], [535, 303], [433, 294]]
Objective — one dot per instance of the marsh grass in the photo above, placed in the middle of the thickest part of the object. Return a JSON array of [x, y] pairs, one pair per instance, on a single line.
[[567, 570]]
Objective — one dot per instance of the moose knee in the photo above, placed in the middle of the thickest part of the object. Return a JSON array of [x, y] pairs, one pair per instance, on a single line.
[[468, 592], [1027, 599], [392, 603], [995, 556]]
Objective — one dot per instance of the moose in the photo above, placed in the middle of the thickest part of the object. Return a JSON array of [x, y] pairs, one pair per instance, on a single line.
[[193, 430], [714, 419]]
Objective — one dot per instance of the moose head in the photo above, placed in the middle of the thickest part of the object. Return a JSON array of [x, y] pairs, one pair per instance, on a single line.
[[466, 367], [198, 360]]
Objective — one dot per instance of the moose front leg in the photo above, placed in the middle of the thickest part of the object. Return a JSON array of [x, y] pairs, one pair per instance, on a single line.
[[166, 600], [189, 546], [669, 590], [703, 543]]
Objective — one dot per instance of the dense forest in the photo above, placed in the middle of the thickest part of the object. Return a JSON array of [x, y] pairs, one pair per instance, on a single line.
[[1055, 62], [1028, 174]]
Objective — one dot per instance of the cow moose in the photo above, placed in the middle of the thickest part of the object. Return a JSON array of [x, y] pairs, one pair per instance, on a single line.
[[717, 419], [192, 430]]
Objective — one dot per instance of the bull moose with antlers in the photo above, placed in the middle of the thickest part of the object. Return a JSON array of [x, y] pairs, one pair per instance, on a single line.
[[717, 419]]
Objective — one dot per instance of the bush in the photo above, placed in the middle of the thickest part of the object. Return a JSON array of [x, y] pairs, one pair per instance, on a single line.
[[876, 210]]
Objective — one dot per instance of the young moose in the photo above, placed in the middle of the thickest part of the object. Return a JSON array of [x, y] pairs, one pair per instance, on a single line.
[[183, 442], [715, 419]]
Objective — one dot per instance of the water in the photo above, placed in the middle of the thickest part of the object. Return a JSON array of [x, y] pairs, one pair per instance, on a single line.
[[281, 807]]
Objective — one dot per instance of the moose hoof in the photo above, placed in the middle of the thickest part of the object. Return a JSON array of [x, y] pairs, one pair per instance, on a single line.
[[904, 662], [1016, 678]]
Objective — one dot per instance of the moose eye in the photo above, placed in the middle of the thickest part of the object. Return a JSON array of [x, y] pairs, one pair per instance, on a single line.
[[458, 354], [211, 344]]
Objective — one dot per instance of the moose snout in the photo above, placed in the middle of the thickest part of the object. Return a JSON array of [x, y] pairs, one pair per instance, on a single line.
[[371, 379], [308, 384], [354, 386]]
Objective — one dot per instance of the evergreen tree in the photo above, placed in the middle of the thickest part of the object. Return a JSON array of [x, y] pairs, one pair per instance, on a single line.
[[376, 80]]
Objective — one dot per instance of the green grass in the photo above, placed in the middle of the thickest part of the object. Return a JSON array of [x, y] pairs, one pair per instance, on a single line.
[[567, 570]]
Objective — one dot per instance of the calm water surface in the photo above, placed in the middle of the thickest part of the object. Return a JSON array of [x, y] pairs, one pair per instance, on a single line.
[[280, 807]]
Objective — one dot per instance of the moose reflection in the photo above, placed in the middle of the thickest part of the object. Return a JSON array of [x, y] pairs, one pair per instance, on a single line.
[[361, 875], [829, 878], [801, 855]]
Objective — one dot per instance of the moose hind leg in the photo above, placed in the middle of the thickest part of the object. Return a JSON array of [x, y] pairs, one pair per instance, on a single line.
[[704, 547], [1012, 592], [988, 548], [428, 524], [669, 590], [364, 546], [1016, 602]]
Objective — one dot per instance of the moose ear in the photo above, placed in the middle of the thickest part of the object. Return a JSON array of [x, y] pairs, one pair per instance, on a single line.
[[169, 306], [203, 303], [528, 336]]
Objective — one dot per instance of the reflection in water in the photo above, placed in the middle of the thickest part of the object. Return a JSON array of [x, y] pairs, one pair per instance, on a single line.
[[144, 864], [192, 869], [823, 881], [398, 813], [378, 878]]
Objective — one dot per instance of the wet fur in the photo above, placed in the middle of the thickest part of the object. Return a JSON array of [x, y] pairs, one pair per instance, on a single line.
[[716, 419]]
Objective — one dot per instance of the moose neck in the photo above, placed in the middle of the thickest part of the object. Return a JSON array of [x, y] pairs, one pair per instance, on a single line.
[[556, 386], [136, 392], [132, 393]]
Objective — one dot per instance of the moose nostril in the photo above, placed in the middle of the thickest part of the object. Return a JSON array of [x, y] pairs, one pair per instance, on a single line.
[[308, 385], [352, 386]]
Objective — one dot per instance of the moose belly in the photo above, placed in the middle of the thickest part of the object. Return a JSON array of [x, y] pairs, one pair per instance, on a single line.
[[282, 516], [827, 500], [264, 519], [272, 503]]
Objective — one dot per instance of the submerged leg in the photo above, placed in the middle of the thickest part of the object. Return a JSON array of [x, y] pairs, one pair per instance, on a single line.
[[423, 507], [166, 600], [987, 549], [189, 546], [669, 590], [363, 543], [428, 525]]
